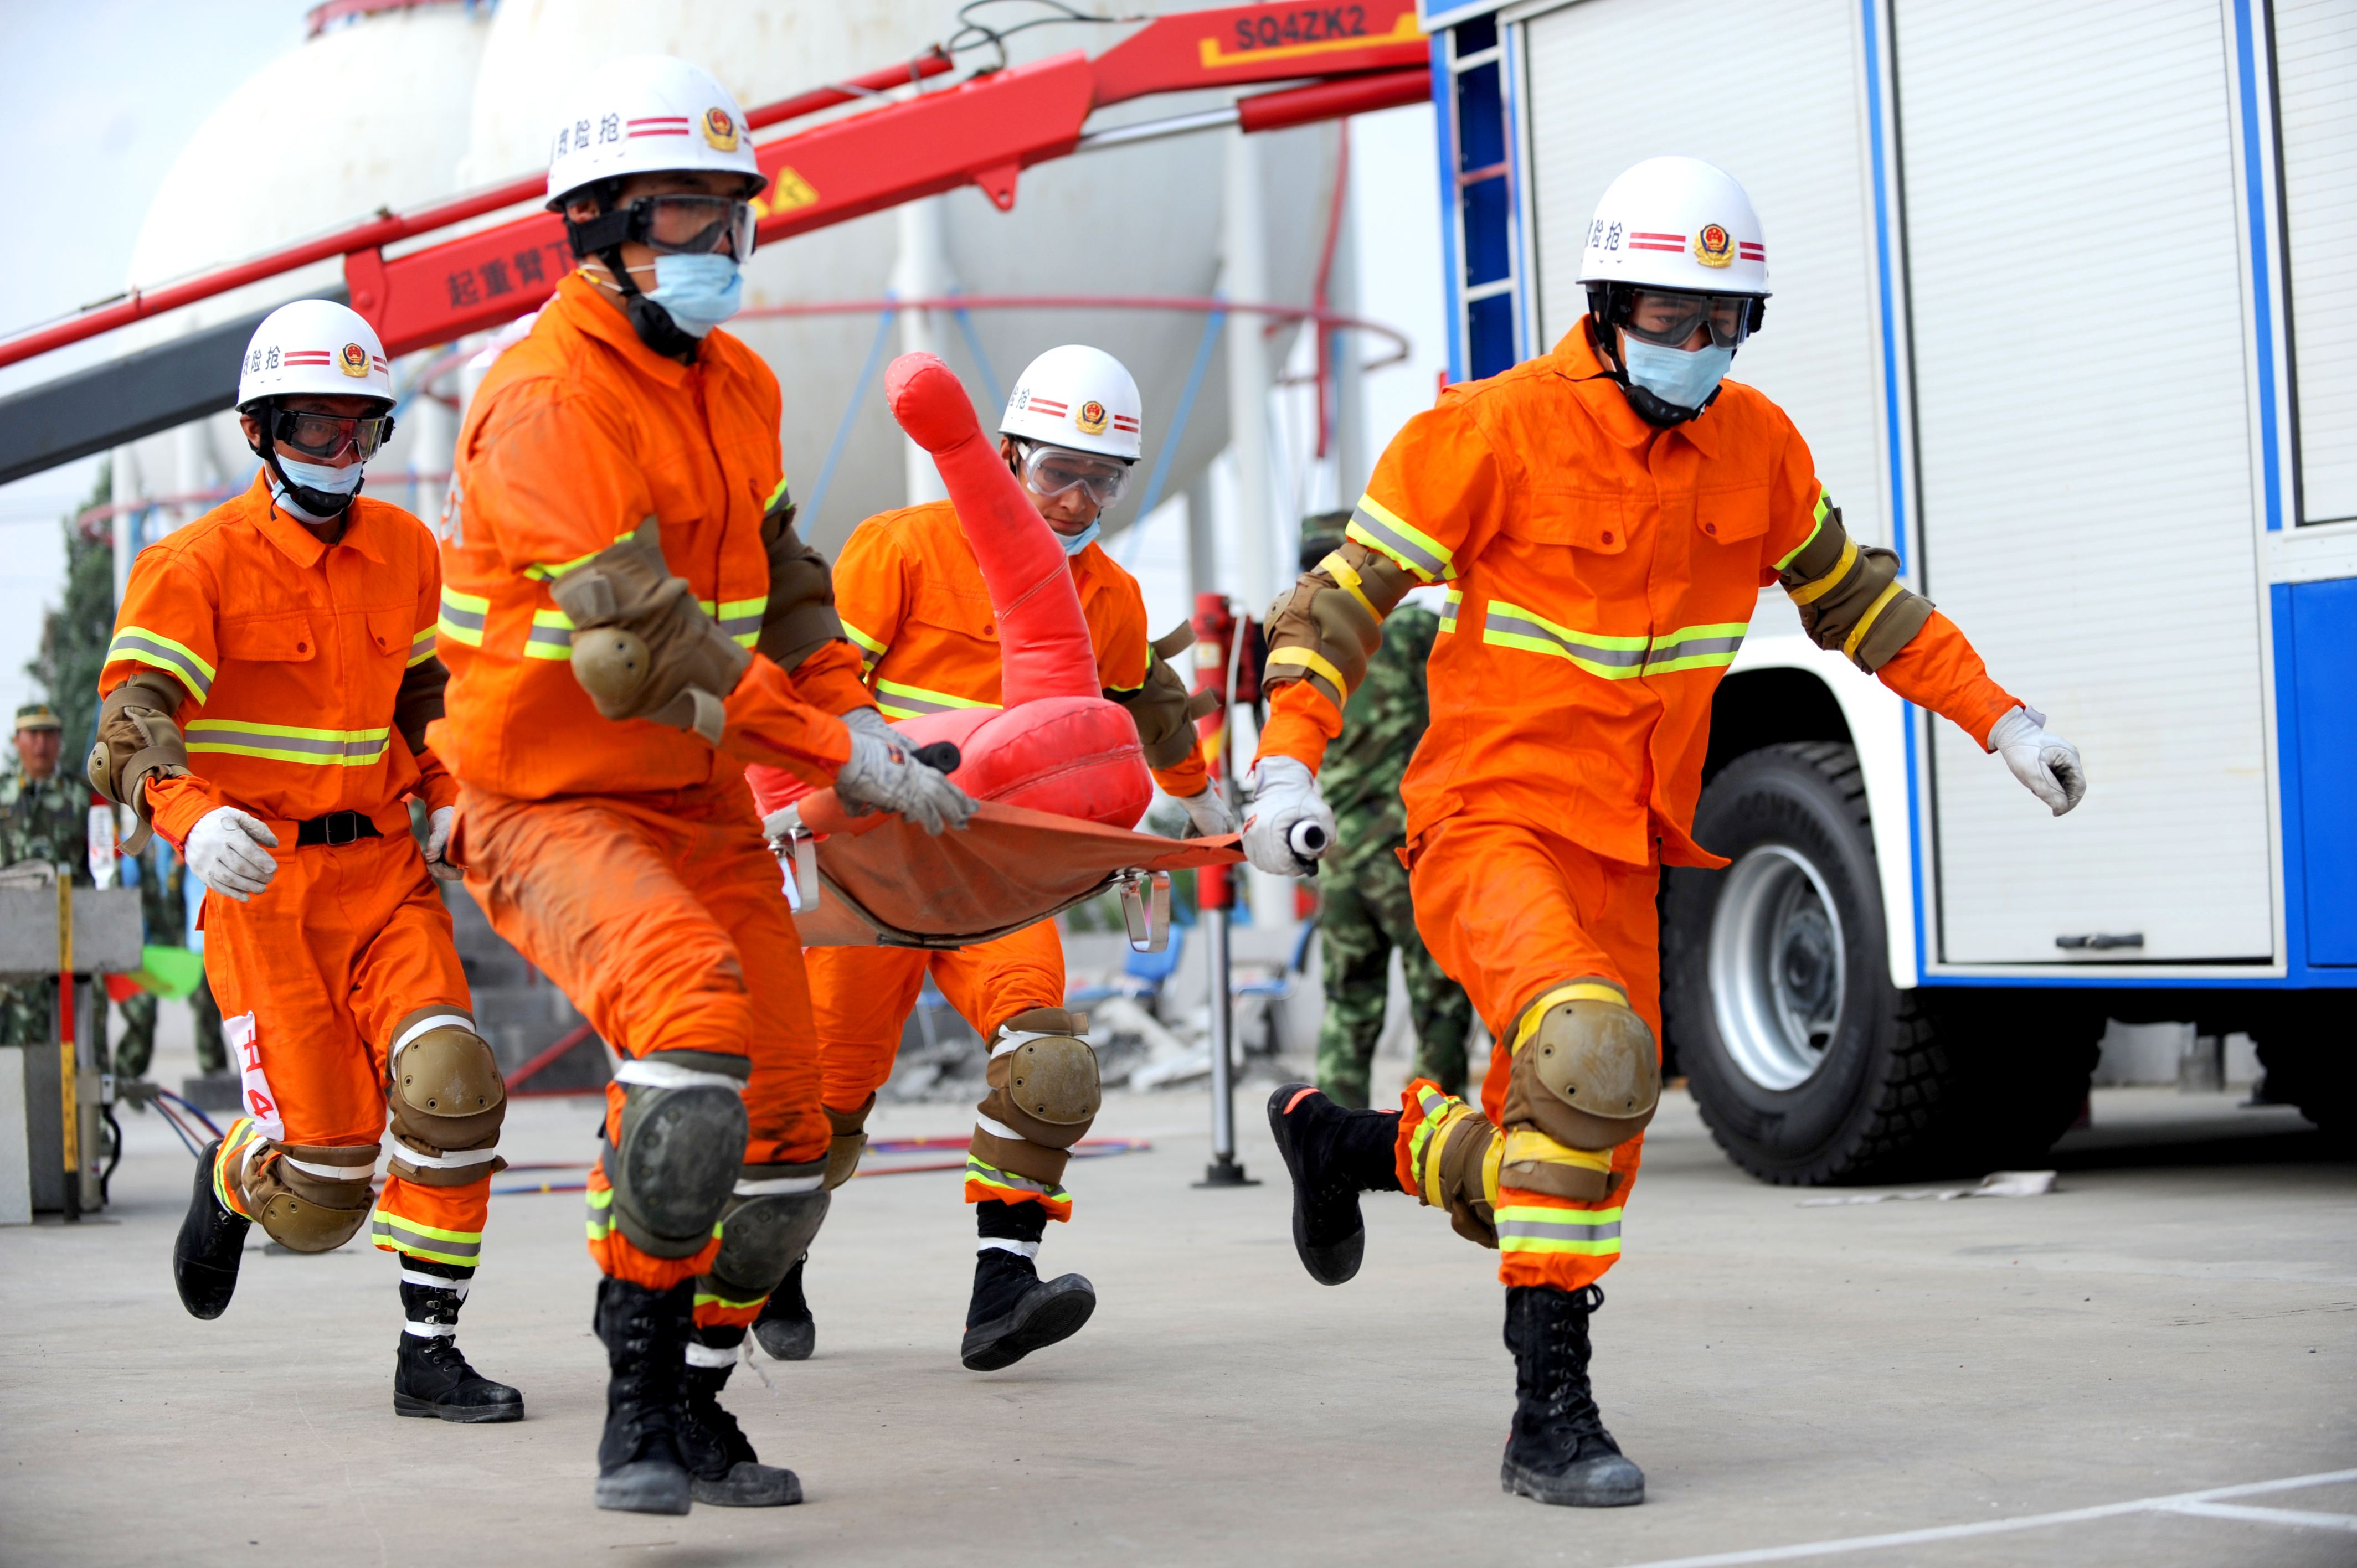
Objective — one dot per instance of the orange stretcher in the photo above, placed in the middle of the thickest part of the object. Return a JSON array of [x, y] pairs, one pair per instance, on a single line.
[[878, 880]]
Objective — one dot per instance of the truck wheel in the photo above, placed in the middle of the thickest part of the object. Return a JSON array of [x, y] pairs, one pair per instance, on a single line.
[[1807, 1064], [1803, 1061]]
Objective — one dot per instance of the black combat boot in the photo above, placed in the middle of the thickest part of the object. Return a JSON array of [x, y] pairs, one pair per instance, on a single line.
[[640, 1469], [211, 1240], [1558, 1451], [1333, 1156], [1014, 1312], [785, 1331], [431, 1378], [720, 1458]]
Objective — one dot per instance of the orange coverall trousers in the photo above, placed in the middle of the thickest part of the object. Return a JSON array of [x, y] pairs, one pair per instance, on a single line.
[[661, 917], [311, 975], [1511, 912], [862, 999]]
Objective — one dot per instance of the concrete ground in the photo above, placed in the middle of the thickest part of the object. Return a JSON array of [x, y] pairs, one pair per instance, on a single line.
[[2179, 1316]]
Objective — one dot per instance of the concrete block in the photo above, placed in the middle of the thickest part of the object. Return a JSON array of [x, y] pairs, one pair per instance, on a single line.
[[16, 1147]]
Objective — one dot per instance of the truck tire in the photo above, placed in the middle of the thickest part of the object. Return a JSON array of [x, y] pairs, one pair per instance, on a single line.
[[1808, 1065]]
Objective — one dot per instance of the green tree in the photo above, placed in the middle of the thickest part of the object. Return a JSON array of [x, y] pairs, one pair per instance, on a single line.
[[74, 635]]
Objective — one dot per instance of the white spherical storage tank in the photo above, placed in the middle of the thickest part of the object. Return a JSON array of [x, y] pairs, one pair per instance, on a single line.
[[1139, 220], [371, 111]]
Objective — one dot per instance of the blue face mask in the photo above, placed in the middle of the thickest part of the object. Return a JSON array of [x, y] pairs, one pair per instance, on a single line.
[[1074, 543], [701, 292], [1682, 378]]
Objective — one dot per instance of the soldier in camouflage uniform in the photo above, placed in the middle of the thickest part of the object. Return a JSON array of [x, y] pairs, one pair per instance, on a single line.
[[43, 816], [1363, 887]]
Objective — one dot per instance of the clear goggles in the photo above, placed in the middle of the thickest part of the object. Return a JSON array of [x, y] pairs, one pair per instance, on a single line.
[[693, 225], [1671, 318], [326, 436], [1050, 471]]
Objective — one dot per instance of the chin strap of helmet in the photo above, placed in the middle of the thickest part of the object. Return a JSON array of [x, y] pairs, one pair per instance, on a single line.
[[325, 506], [603, 237]]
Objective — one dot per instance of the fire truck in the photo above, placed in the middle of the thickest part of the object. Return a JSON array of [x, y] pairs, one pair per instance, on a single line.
[[2063, 307]]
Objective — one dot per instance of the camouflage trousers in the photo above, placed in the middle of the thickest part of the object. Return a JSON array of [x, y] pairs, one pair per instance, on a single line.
[[1366, 912], [136, 1048], [28, 1013]]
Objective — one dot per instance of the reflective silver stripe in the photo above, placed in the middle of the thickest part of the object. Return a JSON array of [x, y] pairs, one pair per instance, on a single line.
[[1542, 1230], [998, 1129], [127, 644], [460, 617], [333, 1173], [657, 1074], [401, 1236], [778, 1185], [206, 735], [458, 1160], [710, 1356], [1433, 566], [990, 1173], [1500, 619], [430, 1330], [740, 626], [550, 636]]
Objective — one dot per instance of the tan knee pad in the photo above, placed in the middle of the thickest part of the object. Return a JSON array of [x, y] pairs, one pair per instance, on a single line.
[[1043, 1078], [309, 1198], [847, 1144], [1586, 1070], [447, 1099]]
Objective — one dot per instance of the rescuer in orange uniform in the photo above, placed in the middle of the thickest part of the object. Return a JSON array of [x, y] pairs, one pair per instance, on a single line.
[[912, 597], [267, 690], [601, 709], [1605, 516]]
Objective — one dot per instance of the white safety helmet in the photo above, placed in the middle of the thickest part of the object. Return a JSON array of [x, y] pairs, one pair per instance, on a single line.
[[1080, 398], [313, 348], [1676, 223], [648, 114]]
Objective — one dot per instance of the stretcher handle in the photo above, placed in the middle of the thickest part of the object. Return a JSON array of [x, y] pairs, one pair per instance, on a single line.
[[941, 755], [1145, 909]]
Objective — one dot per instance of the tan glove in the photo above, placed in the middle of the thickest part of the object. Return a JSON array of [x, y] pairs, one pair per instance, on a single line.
[[643, 647]]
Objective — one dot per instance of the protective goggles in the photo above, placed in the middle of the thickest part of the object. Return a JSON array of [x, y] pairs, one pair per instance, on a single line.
[[671, 226], [1671, 318], [1050, 471], [325, 436]]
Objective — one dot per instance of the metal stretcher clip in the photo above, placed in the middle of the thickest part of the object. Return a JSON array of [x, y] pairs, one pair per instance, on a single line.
[[1145, 909]]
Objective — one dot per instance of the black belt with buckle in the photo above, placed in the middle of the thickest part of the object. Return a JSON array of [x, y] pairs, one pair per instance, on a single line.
[[335, 828]]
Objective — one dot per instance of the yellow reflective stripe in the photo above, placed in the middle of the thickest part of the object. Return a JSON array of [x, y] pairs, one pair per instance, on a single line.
[[1378, 527], [742, 618], [1449, 607], [1824, 505], [707, 1298], [289, 743], [433, 1233], [875, 647], [1891, 591], [899, 702], [421, 647], [551, 636], [1339, 570], [1578, 991], [1709, 645], [145, 645], [777, 495], [1312, 661], [601, 1223], [462, 617], [1810, 592], [1007, 1181], [549, 571], [1586, 1232]]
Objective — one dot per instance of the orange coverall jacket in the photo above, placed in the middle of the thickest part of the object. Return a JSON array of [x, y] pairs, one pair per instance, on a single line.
[[1601, 575], [912, 597], [579, 433], [291, 652]]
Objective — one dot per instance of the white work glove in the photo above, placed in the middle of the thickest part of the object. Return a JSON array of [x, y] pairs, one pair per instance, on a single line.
[[867, 721], [226, 852], [439, 823], [1208, 816], [884, 772], [1290, 825], [2047, 765]]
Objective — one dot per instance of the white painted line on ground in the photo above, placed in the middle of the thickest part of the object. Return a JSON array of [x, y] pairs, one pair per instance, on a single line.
[[2297, 1517], [2201, 1503]]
